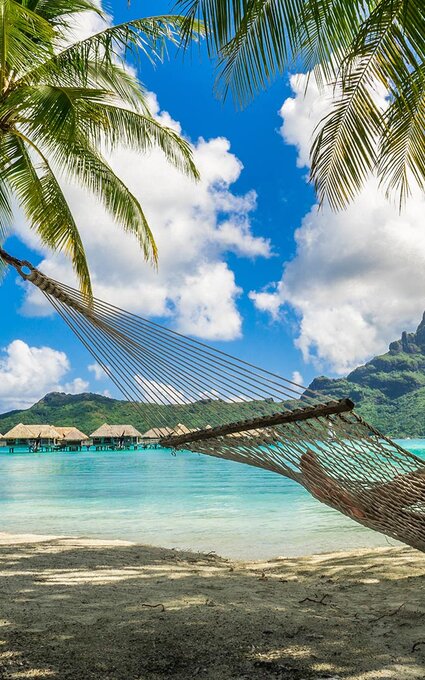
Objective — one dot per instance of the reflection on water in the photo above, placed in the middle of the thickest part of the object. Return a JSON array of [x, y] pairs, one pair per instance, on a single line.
[[186, 501]]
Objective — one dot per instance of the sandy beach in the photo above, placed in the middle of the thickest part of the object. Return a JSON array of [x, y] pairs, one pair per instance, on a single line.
[[82, 609]]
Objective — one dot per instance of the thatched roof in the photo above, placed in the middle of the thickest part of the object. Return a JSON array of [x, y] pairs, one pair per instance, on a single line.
[[32, 432], [181, 429], [158, 432], [106, 430], [71, 434]]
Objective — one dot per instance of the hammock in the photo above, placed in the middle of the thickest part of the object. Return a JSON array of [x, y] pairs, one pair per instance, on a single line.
[[229, 408]]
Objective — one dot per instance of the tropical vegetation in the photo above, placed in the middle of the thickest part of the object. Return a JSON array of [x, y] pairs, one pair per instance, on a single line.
[[64, 105], [370, 53]]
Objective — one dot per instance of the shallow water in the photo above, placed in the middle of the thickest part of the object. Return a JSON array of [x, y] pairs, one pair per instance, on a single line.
[[184, 501]]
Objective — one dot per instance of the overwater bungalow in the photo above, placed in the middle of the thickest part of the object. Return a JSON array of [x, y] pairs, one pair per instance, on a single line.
[[33, 436], [72, 438], [181, 429], [2, 441], [116, 436], [151, 438], [157, 433]]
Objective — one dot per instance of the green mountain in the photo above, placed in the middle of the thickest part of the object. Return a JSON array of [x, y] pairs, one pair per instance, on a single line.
[[389, 391]]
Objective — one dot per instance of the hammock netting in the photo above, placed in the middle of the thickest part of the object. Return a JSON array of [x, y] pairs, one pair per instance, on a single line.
[[247, 414]]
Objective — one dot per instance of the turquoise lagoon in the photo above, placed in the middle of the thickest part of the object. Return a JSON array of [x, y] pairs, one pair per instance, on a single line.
[[186, 501]]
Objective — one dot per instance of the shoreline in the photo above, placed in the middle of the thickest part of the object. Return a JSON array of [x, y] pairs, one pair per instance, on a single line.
[[116, 610], [178, 546]]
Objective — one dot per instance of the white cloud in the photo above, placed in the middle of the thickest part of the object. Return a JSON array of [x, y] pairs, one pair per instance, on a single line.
[[85, 24], [195, 226], [206, 307], [301, 113], [76, 386], [358, 276], [27, 373], [97, 371], [297, 378]]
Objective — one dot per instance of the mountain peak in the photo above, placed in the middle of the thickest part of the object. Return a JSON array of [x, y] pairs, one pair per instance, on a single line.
[[411, 343], [389, 390]]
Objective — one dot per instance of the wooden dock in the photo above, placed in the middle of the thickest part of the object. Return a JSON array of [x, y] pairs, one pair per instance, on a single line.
[[74, 448]]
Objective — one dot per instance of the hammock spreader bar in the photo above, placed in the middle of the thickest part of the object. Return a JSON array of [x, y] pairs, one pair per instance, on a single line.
[[230, 409], [177, 441]]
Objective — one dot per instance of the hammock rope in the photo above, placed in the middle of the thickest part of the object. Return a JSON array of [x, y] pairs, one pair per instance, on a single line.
[[229, 408]]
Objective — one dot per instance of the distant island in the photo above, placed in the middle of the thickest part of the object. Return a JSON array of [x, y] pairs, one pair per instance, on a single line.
[[389, 392]]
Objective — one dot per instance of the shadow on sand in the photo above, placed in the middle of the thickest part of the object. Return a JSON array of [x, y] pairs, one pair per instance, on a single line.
[[74, 609]]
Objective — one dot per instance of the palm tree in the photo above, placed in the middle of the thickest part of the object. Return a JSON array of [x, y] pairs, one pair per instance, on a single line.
[[62, 106], [359, 47]]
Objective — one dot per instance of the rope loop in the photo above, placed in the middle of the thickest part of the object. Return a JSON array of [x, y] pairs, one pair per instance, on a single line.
[[17, 264]]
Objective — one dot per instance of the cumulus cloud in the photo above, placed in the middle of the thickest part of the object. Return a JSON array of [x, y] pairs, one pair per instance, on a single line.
[[27, 373], [195, 226], [97, 371], [297, 378], [358, 276], [76, 386]]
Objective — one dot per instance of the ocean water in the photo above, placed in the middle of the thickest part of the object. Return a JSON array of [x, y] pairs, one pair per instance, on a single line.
[[185, 501]]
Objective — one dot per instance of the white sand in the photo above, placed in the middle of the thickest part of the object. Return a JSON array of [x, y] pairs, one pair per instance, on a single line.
[[82, 609]]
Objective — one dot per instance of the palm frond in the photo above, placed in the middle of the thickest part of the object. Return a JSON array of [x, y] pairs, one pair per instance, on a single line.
[[261, 47], [44, 204], [85, 165], [113, 78], [6, 212], [25, 39], [62, 12], [256, 40], [401, 153], [149, 36], [344, 151], [142, 132], [61, 106], [220, 19], [326, 34], [92, 114]]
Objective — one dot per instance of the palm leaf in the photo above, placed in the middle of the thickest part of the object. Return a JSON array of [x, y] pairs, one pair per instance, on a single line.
[[143, 132], [344, 151], [257, 40], [59, 105], [149, 36], [83, 163], [25, 39], [62, 12], [220, 19], [44, 204], [401, 153], [90, 113]]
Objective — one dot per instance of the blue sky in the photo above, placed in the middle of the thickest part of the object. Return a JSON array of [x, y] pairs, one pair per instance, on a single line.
[[314, 315]]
